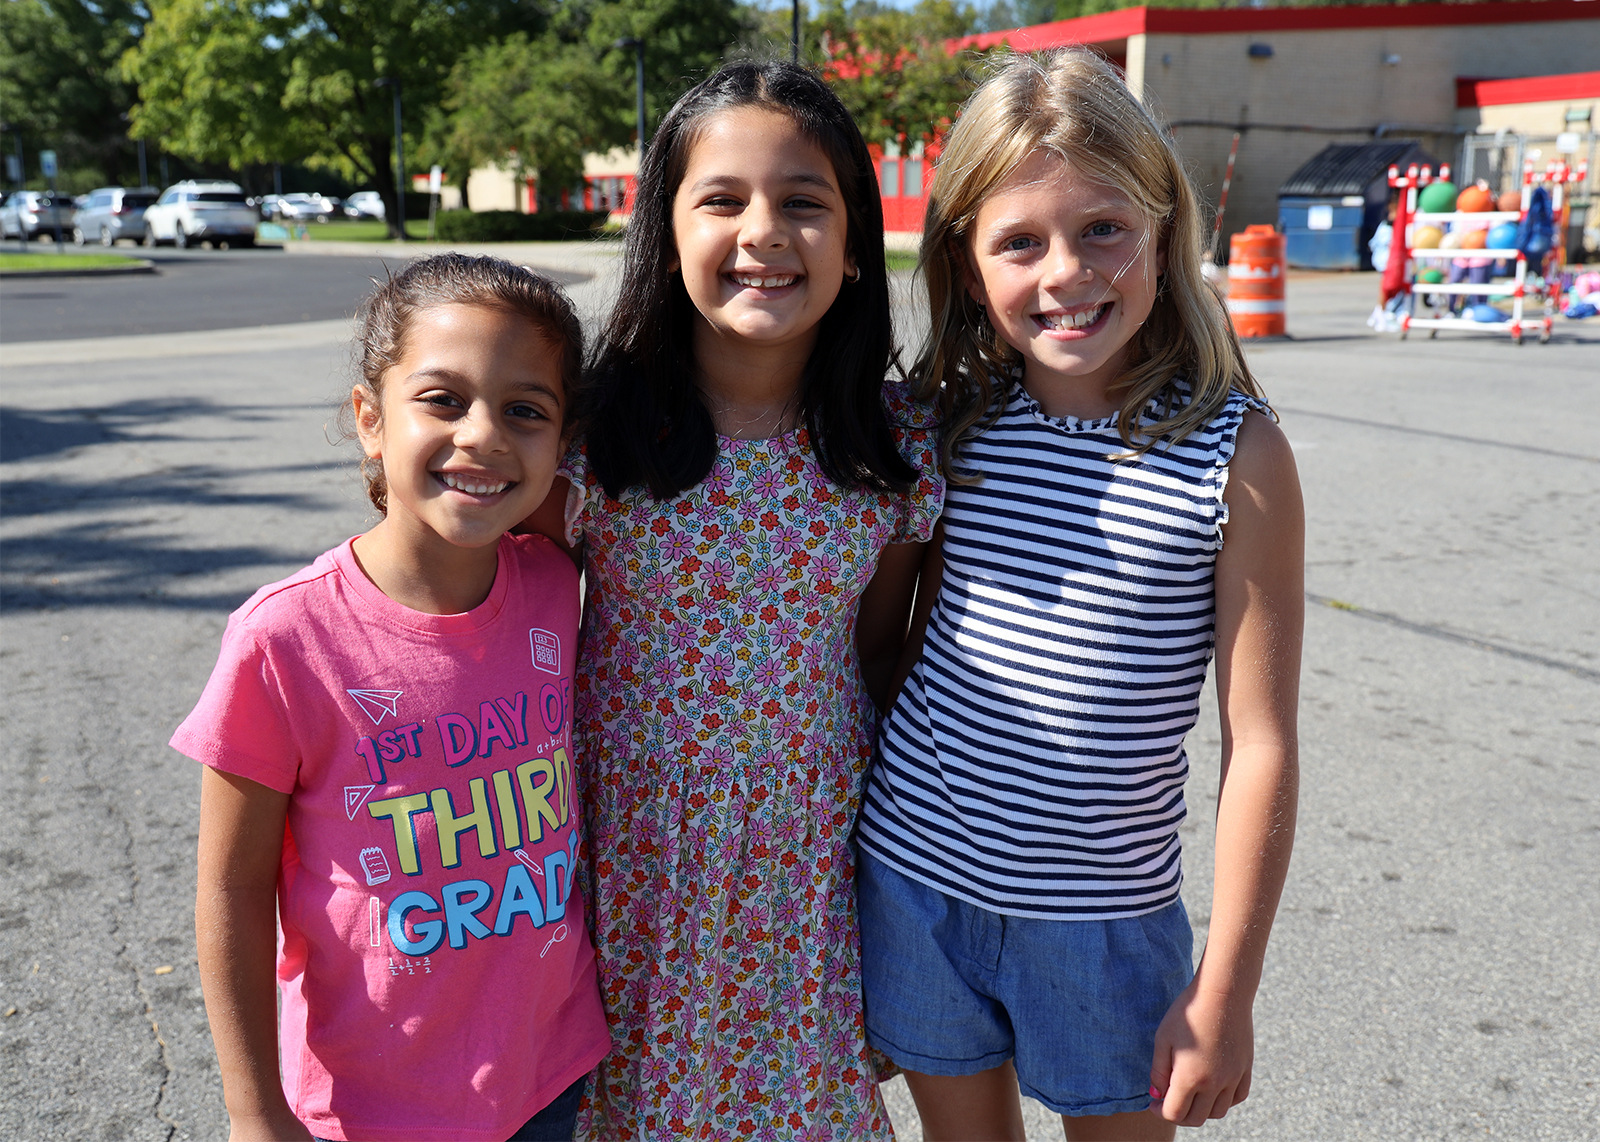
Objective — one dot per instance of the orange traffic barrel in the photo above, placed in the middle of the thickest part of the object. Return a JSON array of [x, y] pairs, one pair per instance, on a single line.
[[1256, 266]]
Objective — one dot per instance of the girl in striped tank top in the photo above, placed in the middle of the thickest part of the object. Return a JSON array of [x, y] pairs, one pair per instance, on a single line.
[[1122, 506]]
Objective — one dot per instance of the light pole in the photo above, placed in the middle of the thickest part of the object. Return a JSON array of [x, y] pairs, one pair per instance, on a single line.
[[637, 45], [399, 156]]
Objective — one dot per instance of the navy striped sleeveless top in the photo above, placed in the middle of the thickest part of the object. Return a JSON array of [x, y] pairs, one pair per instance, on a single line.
[[1034, 763]]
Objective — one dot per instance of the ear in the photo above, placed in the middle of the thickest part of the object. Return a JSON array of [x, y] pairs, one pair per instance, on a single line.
[[1161, 256], [852, 272], [970, 278], [369, 421]]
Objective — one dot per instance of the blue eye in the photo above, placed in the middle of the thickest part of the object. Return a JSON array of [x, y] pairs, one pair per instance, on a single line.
[[1104, 229], [1017, 243]]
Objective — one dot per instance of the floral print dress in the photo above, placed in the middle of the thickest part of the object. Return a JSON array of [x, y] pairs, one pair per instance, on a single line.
[[724, 736]]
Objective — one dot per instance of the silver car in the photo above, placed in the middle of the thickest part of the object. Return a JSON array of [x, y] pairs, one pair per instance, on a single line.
[[29, 213], [113, 212]]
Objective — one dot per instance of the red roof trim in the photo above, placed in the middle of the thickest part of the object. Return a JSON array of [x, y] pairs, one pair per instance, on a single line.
[[1108, 26], [1535, 89], [1100, 28]]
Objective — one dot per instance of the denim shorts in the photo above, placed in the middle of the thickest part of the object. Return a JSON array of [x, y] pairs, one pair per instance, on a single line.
[[954, 989]]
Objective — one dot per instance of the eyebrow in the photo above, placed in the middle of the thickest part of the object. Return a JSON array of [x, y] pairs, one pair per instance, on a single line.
[[444, 373], [804, 178]]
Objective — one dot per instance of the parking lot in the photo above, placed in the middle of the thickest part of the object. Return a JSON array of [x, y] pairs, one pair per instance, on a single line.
[[1433, 970]]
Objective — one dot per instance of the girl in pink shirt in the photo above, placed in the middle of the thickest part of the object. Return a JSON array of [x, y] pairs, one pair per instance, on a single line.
[[387, 743]]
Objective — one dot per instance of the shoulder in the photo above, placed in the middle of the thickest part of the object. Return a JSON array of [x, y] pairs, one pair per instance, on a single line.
[[281, 607], [540, 560], [1262, 476], [905, 411]]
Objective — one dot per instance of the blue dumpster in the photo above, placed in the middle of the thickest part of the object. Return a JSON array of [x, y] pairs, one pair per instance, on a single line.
[[1329, 209]]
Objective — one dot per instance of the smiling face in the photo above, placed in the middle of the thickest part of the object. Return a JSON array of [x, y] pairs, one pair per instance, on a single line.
[[469, 428], [760, 229], [1066, 268]]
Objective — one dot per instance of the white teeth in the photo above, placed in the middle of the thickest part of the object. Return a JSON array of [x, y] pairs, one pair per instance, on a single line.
[[462, 485], [1073, 320], [753, 282]]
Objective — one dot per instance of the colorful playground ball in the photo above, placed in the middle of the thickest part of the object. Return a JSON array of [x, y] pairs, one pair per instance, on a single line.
[[1503, 236], [1486, 313], [1452, 240], [1474, 239], [1475, 200], [1510, 200], [1426, 238], [1437, 198], [1431, 277]]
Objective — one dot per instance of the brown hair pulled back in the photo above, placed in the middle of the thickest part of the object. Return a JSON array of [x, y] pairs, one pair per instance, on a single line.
[[453, 279]]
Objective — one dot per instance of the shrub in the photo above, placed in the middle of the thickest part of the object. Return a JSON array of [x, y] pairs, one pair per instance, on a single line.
[[510, 226]]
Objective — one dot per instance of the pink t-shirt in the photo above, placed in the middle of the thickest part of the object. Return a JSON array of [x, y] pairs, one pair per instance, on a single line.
[[435, 969]]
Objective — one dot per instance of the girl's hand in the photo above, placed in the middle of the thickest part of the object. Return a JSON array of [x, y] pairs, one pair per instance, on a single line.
[[1204, 1050], [284, 1127]]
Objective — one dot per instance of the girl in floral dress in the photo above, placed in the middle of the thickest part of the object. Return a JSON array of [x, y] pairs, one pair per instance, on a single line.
[[752, 504]]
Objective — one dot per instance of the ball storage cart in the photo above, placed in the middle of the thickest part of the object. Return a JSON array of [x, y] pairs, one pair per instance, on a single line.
[[1529, 289]]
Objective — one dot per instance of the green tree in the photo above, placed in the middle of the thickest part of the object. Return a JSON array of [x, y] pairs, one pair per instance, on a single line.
[[248, 81], [892, 68], [60, 87], [537, 103]]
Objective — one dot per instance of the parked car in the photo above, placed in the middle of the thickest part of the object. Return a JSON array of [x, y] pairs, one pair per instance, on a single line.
[[113, 212], [365, 204], [193, 211], [30, 213], [301, 207]]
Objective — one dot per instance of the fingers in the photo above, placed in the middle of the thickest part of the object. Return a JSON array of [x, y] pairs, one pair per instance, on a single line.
[[1193, 1106]]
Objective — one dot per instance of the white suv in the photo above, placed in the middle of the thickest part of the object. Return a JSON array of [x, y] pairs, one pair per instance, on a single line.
[[192, 211]]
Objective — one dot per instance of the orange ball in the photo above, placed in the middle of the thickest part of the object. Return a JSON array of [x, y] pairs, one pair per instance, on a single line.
[[1510, 200], [1474, 200], [1474, 239]]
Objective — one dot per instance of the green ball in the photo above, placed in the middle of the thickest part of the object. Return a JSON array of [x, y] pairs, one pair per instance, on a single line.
[[1432, 277], [1437, 198]]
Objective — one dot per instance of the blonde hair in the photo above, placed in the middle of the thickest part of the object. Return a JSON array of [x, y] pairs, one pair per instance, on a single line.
[[1073, 104]]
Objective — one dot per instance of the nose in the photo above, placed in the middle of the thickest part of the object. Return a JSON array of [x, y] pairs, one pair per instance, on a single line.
[[1065, 266], [480, 430], [763, 225]]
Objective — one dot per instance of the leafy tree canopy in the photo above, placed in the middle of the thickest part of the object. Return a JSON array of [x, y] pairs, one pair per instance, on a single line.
[[60, 88], [246, 81]]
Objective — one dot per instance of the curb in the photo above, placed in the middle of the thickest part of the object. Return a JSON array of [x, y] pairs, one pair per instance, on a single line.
[[134, 266]]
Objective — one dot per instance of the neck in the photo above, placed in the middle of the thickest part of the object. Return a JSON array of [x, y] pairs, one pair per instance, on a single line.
[[751, 390], [436, 578]]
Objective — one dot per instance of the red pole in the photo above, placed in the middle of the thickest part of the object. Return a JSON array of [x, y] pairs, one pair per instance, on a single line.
[[1222, 206]]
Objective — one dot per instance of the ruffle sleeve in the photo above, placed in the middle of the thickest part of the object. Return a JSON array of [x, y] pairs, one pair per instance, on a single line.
[[581, 488], [916, 435]]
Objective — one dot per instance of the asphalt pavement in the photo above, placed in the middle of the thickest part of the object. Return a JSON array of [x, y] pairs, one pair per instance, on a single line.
[[197, 289], [1433, 970]]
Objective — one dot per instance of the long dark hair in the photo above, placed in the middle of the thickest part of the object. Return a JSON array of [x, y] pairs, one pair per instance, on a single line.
[[640, 407]]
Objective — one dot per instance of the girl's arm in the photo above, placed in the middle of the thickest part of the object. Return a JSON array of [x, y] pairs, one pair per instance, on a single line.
[[235, 920], [928, 581], [549, 519], [1206, 1043], [881, 617]]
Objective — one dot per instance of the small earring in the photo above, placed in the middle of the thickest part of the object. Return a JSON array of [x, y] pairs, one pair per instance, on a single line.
[[853, 279], [985, 330]]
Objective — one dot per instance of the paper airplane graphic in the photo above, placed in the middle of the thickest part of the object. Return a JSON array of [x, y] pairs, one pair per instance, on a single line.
[[377, 703], [356, 796]]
